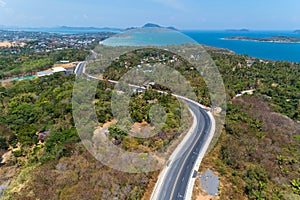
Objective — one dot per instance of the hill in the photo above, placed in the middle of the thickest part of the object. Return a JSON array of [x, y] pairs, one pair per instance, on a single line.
[[261, 162], [150, 25]]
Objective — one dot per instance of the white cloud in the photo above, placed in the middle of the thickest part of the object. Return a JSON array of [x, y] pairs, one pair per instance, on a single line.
[[2, 3], [172, 4], [85, 16]]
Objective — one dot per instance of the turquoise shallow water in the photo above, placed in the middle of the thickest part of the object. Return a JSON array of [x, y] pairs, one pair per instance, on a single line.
[[18, 79], [146, 37], [23, 78]]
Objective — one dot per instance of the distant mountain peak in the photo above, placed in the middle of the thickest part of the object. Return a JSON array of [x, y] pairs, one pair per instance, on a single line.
[[152, 25]]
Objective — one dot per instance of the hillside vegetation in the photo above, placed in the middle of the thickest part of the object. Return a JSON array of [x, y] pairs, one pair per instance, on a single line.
[[38, 128], [261, 162]]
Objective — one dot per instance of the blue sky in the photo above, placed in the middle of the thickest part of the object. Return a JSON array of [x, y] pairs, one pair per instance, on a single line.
[[184, 14]]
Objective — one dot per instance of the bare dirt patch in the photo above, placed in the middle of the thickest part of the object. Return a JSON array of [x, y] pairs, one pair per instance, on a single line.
[[6, 44]]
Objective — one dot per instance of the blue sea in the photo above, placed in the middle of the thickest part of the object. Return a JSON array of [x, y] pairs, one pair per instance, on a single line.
[[262, 50]]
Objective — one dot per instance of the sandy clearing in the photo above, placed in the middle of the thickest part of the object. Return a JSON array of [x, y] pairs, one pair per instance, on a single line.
[[11, 44]]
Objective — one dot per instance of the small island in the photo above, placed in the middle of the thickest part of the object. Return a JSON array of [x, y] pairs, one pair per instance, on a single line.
[[275, 39], [238, 30], [297, 31]]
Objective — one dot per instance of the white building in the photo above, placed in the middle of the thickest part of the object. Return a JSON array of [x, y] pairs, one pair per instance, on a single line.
[[58, 69], [52, 71]]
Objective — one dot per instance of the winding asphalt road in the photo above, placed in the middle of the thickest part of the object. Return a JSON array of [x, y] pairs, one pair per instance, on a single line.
[[177, 179], [80, 68], [174, 180]]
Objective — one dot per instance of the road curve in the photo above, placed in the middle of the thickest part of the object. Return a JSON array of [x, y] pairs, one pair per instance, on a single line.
[[80, 68], [177, 179]]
